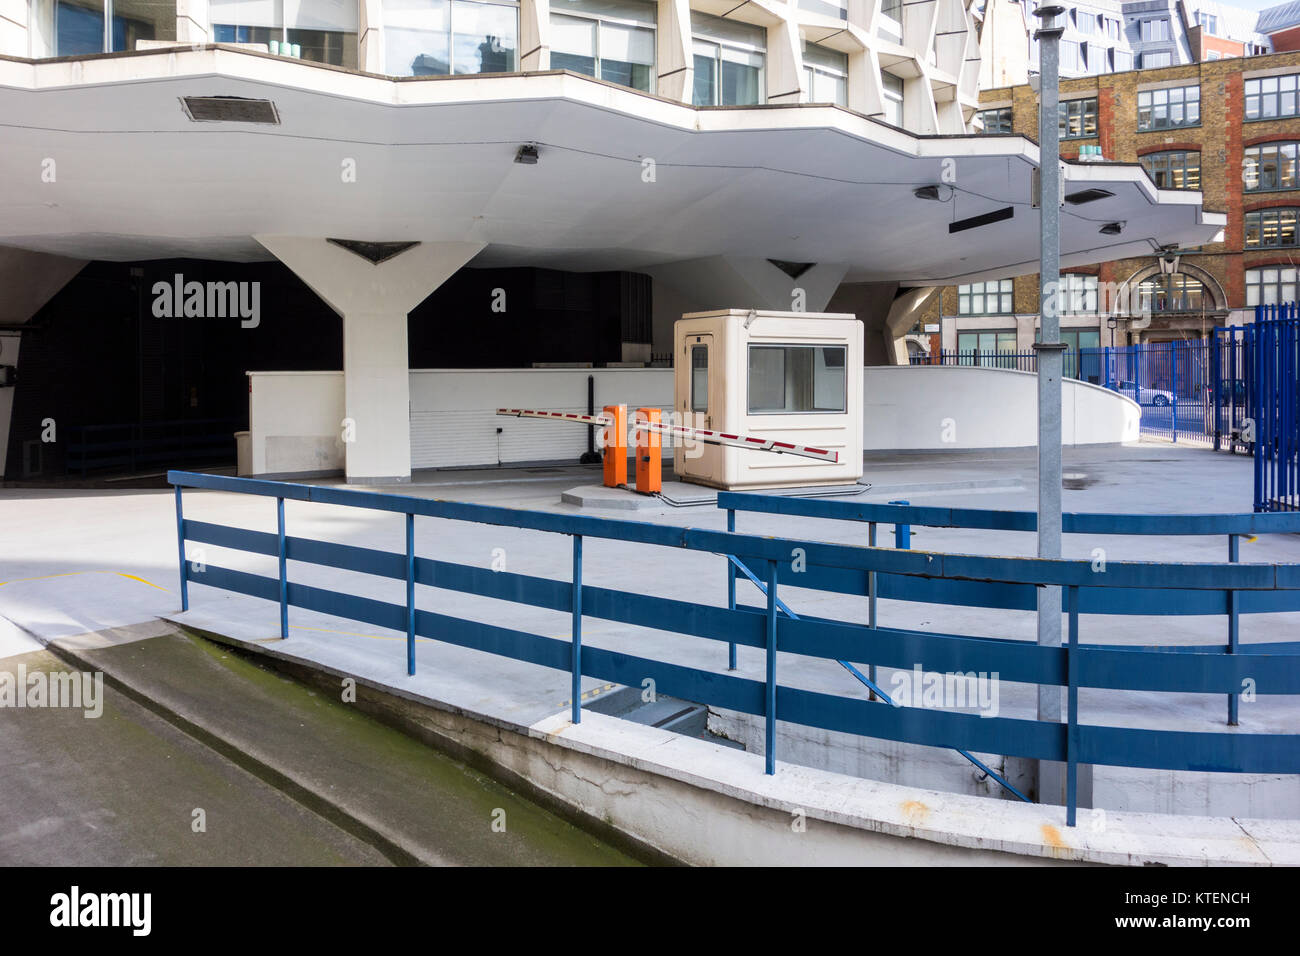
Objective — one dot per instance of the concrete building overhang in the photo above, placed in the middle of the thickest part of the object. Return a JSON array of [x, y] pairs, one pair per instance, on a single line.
[[98, 160]]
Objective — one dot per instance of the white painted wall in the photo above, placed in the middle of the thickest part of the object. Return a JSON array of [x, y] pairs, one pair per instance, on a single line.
[[296, 421], [454, 420], [918, 407], [296, 417]]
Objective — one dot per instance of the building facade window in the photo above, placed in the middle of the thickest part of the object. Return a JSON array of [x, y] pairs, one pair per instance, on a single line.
[[1078, 294], [793, 379], [445, 37], [1151, 61], [1172, 293], [1270, 285], [324, 31], [729, 61], [1270, 97], [1169, 108], [1123, 61], [892, 92], [613, 40], [1071, 61], [826, 72], [1153, 31], [985, 298], [1208, 21], [993, 348], [1078, 118], [1270, 167], [996, 121], [1177, 169], [1271, 228], [82, 27]]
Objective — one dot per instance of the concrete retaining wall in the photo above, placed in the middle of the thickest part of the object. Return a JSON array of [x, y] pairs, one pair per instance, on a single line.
[[296, 417]]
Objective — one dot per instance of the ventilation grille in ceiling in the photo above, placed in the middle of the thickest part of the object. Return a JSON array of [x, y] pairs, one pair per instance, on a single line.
[[229, 109]]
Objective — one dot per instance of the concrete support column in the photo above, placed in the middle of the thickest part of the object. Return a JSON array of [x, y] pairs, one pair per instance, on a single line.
[[785, 82], [370, 36], [374, 299], [28, 280], [676, 63], [534, 35], [193, 23]]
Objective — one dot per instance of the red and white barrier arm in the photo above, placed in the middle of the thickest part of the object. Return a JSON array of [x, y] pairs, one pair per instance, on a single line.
[[555, 416], [739, 441], [708, 436]]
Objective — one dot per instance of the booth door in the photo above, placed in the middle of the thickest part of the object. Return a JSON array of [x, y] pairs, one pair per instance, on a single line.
[[702, 406]]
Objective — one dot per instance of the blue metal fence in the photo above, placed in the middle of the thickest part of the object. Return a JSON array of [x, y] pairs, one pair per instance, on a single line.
[[995, 582], [1275, 351]]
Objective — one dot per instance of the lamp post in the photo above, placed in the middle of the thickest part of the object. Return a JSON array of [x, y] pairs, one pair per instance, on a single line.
[[1050, 361]]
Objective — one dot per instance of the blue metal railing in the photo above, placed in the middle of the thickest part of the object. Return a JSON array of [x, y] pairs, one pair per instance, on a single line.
[[1126, 587], [1234, 526], [1275, 353]]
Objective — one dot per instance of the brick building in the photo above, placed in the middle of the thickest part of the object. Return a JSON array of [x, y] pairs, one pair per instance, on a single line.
[[1230, 127]]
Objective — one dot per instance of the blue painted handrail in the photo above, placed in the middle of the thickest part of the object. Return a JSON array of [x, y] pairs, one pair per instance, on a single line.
[[1178, 669]]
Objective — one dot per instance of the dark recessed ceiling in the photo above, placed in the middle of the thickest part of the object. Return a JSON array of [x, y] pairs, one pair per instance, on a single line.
[[375, 252]]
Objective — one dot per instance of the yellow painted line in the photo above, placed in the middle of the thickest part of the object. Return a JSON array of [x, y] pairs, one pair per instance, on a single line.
[[69, 574], [587, 695]]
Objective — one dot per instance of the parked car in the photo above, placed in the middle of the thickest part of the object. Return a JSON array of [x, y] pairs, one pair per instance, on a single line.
[[1145, 396]]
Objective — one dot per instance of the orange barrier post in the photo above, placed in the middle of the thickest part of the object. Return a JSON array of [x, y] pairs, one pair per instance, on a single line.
[[649, 458], [615, 446]]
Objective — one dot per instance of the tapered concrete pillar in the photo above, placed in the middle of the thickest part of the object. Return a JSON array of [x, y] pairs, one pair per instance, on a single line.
[[373, 288]]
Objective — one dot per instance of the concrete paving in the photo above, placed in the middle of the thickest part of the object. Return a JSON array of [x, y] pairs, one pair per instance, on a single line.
[[79, 561], [282, 774]]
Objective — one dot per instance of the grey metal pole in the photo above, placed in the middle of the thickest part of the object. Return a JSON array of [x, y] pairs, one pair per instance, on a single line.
[[1050, 363]]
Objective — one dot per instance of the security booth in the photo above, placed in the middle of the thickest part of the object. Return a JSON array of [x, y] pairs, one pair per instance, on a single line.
[[790, 377]]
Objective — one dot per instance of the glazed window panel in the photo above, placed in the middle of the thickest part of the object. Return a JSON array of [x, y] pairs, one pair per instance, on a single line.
[[1169, 108], [986, 298], [1270, 285], [1270, 167], [1272, 97], [729, 61], [1174, 170], [1078, 118], [1078, 294], [1173, 293], [1271, 228], [996, 121], [792, 379]]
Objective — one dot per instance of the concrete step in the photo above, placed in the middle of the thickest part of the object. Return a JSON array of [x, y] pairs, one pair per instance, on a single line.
[[413, 803]]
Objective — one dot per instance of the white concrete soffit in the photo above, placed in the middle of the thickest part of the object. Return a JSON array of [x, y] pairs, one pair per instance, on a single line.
[[434, 160]]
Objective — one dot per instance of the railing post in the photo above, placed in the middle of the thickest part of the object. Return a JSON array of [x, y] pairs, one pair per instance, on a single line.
[[731, 590], [410, 594], [902, 532], [577, 629], [1072, 710], [769, 708], [871, 604], [284, 576], [1234, 633], [180, 547]]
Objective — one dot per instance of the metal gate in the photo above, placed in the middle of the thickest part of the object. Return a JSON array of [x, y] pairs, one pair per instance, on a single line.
[[1275, 348]]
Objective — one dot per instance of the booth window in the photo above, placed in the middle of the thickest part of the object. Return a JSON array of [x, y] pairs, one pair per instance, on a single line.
[[700, 378], [610, 39], [789, 379]]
